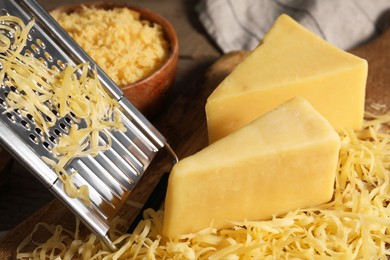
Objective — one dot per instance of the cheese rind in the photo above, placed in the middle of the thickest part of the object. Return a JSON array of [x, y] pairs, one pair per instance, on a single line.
[[290, 61], [284, 160]]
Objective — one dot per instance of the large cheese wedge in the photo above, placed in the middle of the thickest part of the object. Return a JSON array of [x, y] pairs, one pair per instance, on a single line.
[[282, 161], [290, 61]]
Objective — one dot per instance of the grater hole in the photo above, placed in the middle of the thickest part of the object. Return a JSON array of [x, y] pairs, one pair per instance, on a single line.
[[15, 27], [61, 64], [57, 132], [34, 138], [64, 127], [29, 37], [52, 139], [40, 43], [13, 89], [72, 114], [38, 131], [35, 49], [48, 56], [11, 117], [43, 61], [25, 124], [30, 117], [55, 112], [10, 35], [28, 53], [68, 120], [48, 119], [3, 103], [17, 111], [48, 102], [47, 145], [54, 67]]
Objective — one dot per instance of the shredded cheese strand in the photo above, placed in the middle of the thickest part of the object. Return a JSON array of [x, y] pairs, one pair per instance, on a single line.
[[354, 225], [48, 94]]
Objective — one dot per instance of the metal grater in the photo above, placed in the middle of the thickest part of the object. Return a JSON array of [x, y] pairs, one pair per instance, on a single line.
[[111, 175]]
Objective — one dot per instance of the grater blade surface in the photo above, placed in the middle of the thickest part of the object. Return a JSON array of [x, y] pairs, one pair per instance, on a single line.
[[111, 175]]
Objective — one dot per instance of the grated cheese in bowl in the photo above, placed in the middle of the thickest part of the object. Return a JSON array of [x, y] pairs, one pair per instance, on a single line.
[[137, 47], [125, 46], [354, 225]]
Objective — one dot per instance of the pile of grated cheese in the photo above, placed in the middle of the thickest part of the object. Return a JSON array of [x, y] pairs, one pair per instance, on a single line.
[[127, 48], [354, 225], [49, 94]]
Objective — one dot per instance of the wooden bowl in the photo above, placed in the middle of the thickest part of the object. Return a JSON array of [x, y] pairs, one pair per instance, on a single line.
[[149, 93]]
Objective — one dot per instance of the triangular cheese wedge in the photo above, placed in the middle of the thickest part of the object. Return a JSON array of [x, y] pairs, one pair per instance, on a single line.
[[290, 61], [282, 161]]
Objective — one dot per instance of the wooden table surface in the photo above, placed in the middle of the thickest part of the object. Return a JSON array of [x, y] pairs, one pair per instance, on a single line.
[[20, 193]]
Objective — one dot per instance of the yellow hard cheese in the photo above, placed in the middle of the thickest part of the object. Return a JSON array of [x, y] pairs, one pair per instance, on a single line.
[[290, 61], [282, 161]]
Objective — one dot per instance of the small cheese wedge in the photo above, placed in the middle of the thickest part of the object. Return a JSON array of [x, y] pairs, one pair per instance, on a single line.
[[290, 61], [282, 161]]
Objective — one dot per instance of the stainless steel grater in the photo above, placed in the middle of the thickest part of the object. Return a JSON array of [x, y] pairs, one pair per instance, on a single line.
[[111, 175]]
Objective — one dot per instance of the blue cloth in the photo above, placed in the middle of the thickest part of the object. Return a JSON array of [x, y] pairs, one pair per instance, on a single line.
[[241, 24]]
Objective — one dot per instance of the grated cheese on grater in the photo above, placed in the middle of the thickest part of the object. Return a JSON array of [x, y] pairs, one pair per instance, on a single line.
[[47, 94], [354, 225], [124, 46]]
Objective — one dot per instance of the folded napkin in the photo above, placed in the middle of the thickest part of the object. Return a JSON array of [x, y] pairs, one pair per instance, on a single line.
[[240, 25]]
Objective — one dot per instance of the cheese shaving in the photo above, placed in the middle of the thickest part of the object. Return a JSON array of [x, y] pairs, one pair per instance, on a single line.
[[354, 225], [47, 95]]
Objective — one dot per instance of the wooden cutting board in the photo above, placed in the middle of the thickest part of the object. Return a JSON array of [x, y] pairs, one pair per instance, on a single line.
[[184, 125]]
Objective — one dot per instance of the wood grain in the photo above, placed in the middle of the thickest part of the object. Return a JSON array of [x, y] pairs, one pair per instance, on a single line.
[[183, 123]]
